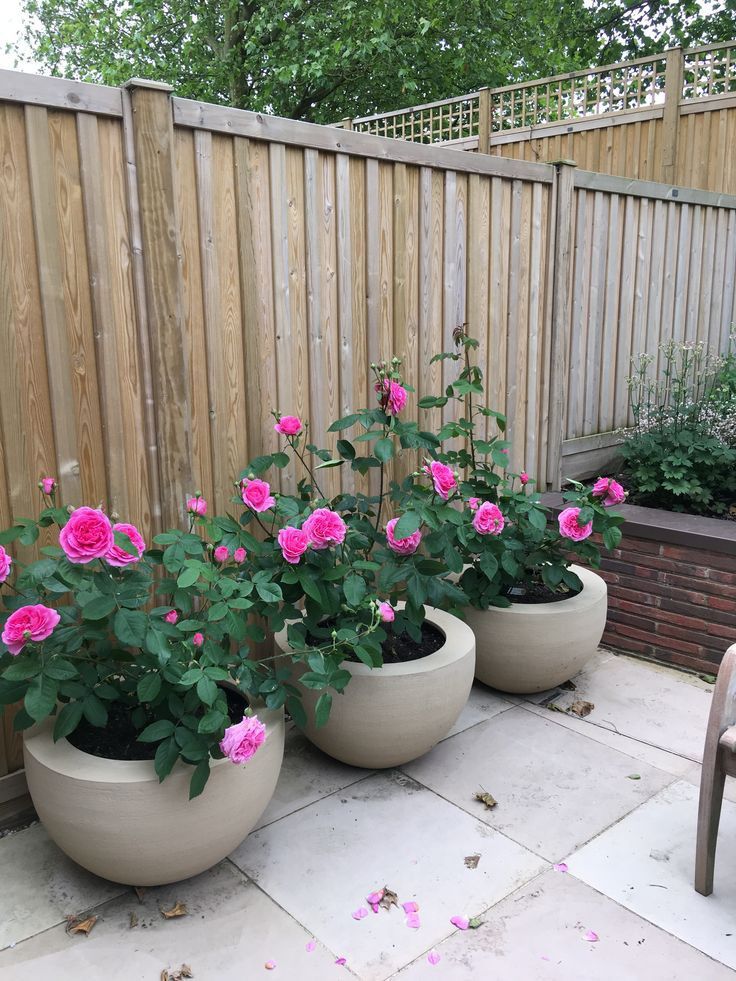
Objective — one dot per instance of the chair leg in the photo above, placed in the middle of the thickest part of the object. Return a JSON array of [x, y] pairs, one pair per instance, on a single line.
[[709, 814]]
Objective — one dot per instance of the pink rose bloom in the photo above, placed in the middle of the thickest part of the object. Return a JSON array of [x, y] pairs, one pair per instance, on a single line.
[[171, 617], [402, 546], [393, 396], [473, 503], [29, 624], [198, 639], [48, 485], [387, 612], [117, 556], [241, 741], [239, 555], [289, 426], [571, 528], [610, 490], [488, 519], [293, 543], [442, 476], [197, 505], [324, 528], [221, 553], [86, 536], [524, 478], [257, 495], [5, 564]]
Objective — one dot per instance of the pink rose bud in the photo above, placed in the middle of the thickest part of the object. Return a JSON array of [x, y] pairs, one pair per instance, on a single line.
[[293, 543], [443, 478], [571, 528], [524, 478], [242, 740], [324, 528], [86, 536], [29, 624], [171, 617], [257, 495], [239, 555], [387, 612], [610, 490], [289, 426], [198, 639], [402, 546], [221, 553], [5, 563], [48, 485], [197, 505], [488, 519], [474, 503], [117, 556]]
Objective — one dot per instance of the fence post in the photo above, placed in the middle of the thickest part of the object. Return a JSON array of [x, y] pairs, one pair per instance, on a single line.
[[484, 120], [151, 120], [561, 260], [671, 117], [346, 123]]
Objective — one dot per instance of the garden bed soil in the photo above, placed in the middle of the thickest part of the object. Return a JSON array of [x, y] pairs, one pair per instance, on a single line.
[[397, 648], [117, 740], [537, 592]]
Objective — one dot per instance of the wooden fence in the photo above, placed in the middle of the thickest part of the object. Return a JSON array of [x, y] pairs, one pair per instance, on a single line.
[[171, 271], [669, 117]]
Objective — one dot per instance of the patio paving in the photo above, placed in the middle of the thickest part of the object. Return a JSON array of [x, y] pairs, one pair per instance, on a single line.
[[614, 795]]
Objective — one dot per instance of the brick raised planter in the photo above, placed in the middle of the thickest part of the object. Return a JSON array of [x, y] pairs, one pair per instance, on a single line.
[[671, 587]]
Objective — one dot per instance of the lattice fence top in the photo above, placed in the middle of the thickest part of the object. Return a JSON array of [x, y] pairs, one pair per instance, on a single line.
[[434, 122]]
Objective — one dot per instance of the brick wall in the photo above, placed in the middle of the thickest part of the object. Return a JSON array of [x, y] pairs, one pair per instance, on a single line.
[[670, 602]]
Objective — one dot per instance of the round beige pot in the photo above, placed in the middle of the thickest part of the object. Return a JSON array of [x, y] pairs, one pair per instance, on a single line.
[[114, 818], [387, 716], [530, 647]]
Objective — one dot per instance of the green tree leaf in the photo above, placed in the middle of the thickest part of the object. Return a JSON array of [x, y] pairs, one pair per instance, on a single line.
[[148, 687], [67, 720], [130, 627], [40, 698], [199, 778], [322, 709], [157, 730]]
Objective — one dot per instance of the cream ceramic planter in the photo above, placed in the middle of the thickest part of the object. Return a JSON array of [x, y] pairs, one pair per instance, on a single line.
[[114, 818], [530, 647], [390, 715]]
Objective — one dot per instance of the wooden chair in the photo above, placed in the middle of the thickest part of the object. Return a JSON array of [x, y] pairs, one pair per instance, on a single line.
[[719, 761]]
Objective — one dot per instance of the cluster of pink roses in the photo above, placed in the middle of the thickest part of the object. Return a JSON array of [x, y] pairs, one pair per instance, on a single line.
[[609, 491], [89, 534], [222, 554], [322, 529]]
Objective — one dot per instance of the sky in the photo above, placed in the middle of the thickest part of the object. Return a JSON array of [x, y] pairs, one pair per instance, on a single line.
[[10, 30]]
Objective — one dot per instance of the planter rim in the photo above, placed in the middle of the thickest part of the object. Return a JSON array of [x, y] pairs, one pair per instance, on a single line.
[[446, 622], [580, 601], [69, 761], [670, 527]]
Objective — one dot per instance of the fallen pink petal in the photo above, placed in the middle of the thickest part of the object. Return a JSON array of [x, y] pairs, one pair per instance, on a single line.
[[560, 867], [360, 913], [310, 946], [412, 921], [270, 965], [433, 957], [544, 957], [591, 937], [411, 907], [374, 907], [461, 922], [342, 961], [375, 897]]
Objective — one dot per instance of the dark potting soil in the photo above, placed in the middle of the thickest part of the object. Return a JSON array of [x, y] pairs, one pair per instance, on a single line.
[[118, 739], [400, 648], [537, 592]]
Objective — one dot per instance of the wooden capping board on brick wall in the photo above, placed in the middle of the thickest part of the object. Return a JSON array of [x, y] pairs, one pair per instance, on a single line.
[[671, 587]]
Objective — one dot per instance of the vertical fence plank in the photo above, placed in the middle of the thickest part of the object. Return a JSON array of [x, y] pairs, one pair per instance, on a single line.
[[431, 233]]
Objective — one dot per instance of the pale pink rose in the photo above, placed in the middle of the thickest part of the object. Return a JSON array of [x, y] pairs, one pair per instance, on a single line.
[[197, 505], [473, 503], [610, 490], [293, 543], [198, 639], [402, 546], [48, 485], [570, 527], [387, 612], [524, 478], [289, 426], [117, 556], [392, 396], [324, 528], [443, 477], [86, 536], [5, 563], [171, 617], [488, 519], [221, 553], [242, 740], [29, 624], [257, 495], [239, 555]]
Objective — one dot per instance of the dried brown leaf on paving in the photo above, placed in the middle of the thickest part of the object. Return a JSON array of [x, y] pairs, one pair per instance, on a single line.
[[485, 798], [75, 925], [388, 899], [133, 920], [140, 892], [178, 909], [183, 972], [471, 861], [552, 707], [474, 922], [581, 708]]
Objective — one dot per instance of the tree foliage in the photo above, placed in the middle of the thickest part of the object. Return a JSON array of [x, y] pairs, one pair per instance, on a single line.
[[323, 60]]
